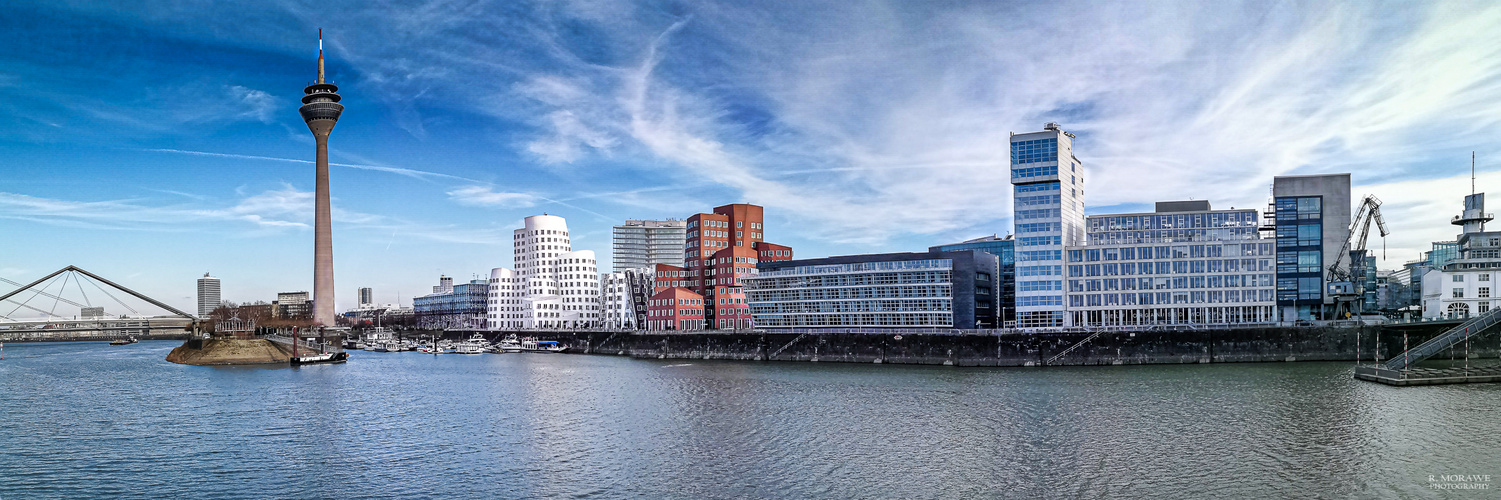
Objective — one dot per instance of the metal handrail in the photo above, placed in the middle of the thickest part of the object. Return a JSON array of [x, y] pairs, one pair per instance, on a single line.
[[334, 347], [1072, 347], [1453, 336]]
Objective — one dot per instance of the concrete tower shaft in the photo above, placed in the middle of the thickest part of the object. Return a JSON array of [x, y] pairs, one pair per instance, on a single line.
[[321, 110]]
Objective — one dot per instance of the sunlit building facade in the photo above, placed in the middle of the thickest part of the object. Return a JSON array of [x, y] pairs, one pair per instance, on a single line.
[[1048, 197], [1184, 264], [898, 290]]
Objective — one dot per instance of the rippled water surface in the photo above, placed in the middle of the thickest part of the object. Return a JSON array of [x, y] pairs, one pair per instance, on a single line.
[[88, 419]]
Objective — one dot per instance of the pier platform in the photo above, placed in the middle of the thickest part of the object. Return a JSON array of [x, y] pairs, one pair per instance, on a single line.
[[1429, 376]]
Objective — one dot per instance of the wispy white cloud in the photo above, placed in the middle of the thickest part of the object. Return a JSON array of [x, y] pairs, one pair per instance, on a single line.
[[487, 196], [413, 173]]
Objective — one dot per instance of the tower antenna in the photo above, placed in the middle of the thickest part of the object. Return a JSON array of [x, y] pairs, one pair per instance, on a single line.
[[320, 55], [1472, 172]]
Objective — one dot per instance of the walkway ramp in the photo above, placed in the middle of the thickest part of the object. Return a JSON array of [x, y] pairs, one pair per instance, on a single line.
[[1474, 327]]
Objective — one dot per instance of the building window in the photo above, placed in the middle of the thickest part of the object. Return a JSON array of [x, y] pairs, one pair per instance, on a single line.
[[1484, 292], [1485, 277], [1459, 293], [1459, 278]]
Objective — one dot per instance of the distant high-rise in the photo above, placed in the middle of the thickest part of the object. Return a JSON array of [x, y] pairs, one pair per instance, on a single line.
[[321, 110], [208, 295], [366, 296], [639, 244], [1049, 214]]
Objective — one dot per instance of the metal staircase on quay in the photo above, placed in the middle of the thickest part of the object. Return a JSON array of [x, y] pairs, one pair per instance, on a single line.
[[1474, 327], [1401, 369]]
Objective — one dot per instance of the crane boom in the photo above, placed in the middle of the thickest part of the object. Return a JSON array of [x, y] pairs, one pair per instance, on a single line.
[[1360, 230]]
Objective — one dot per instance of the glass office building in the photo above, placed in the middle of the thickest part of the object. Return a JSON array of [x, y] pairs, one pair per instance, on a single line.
[[909, 290], [1048, 197], [1312, 224], [1003, 248], [1184, 264]]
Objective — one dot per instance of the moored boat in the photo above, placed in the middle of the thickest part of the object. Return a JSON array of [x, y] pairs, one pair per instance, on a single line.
[[509, 344], [327, 357], [124, 341], [533, 345]]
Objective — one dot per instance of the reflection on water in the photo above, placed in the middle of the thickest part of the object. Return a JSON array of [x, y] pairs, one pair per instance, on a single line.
[[96, 420]]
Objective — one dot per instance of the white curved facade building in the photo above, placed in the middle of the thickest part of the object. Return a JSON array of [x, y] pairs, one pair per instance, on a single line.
[[552, 287]]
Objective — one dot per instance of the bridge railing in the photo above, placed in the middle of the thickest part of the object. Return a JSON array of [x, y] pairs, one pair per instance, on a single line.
[[1453, 336]]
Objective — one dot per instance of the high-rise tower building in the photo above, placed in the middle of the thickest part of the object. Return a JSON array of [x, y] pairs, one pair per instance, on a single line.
[[321, 110], [208, 295], [367, 296], [1049, 215], [641, 243]]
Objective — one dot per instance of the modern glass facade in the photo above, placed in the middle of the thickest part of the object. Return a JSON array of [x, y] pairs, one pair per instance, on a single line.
[[1005, 250], [1221, 225], [1048, 198], [1182, 265], [640, 244], [464, 306], [1300, 254], [914, 290], [1171, 284]]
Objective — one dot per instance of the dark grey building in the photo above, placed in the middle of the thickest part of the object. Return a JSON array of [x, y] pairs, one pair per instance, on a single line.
[[958, 289], [1005, 249]]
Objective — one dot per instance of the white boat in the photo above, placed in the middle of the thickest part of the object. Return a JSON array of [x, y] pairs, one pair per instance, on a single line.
[[327, 357], [377, 338], [533, 345], [475, 345], [509, 344]]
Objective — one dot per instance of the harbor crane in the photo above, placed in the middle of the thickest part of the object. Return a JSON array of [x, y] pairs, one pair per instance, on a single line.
[[1346, 284]]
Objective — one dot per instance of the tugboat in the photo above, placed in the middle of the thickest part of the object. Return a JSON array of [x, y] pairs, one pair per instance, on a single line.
[[125, 341]]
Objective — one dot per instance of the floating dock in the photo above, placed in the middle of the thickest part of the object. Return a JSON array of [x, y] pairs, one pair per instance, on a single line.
[[1429, 376]]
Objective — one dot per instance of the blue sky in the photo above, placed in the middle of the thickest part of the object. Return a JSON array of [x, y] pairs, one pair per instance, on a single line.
[[152, 143]]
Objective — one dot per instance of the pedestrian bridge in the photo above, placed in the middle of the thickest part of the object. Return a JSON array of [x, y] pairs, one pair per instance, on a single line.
[[41, 299]]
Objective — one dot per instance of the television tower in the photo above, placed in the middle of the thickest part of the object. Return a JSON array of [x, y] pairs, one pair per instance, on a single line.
[[321, 110]]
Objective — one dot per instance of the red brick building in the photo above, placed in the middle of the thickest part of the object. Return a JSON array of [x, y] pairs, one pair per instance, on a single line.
[[772, 252], [669, 277], [739, 230], [675, 309]]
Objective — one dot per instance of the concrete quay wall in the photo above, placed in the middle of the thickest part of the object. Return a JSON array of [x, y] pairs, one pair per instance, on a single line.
[[1012, 349]]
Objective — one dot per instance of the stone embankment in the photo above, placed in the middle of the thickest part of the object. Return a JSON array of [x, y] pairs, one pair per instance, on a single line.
[[1013, 349], [225, 352]]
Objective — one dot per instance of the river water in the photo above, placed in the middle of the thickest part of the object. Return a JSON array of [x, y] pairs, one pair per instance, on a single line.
[[91, 420]]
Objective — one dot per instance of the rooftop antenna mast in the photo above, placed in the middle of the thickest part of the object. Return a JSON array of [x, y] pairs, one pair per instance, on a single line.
[[1472, 172], [320, 56]]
